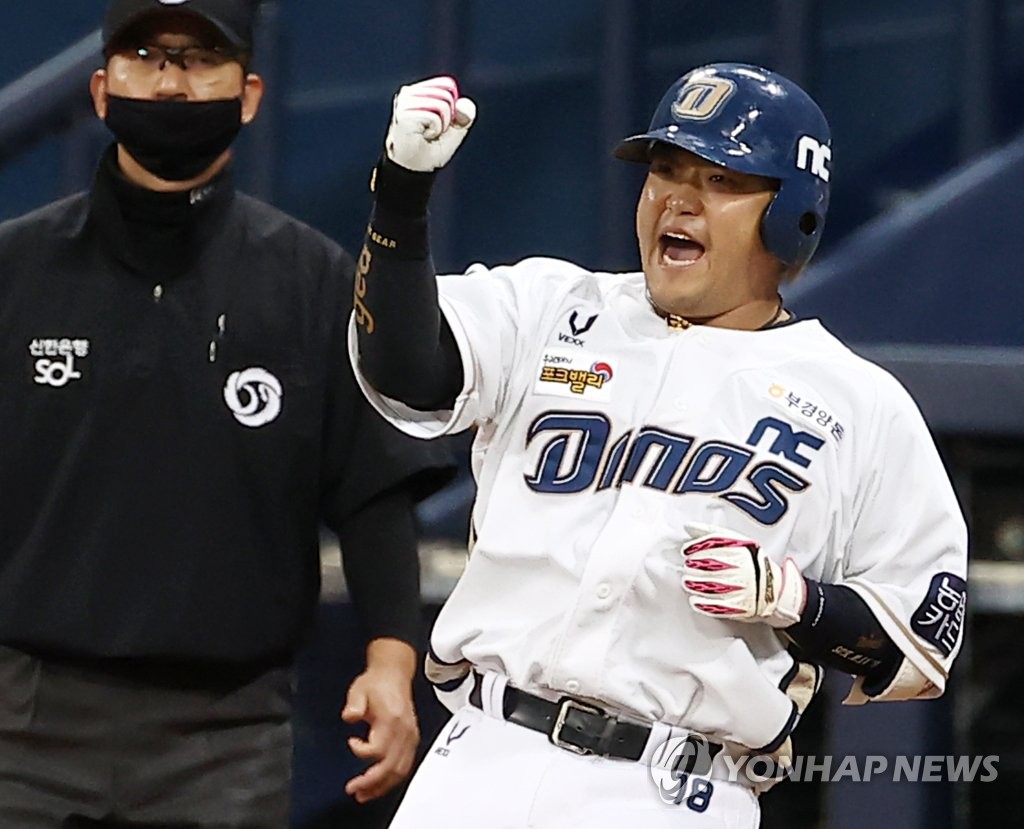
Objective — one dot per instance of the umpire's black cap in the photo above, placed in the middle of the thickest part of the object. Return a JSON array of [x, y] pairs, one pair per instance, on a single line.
[[232, 18]]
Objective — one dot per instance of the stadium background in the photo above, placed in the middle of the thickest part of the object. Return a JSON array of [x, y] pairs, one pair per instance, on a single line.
[[919, 268]]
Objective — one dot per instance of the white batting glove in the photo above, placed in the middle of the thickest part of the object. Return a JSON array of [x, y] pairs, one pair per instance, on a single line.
[[428, 123], [729, 577]]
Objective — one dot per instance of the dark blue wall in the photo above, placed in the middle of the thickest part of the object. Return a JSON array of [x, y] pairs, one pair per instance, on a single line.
[[899, 81]]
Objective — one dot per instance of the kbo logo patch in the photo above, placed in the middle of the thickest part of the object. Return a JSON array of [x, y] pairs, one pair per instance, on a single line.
[[254, 396]]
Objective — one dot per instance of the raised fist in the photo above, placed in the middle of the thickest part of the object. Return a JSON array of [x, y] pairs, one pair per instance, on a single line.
[[428, 123]]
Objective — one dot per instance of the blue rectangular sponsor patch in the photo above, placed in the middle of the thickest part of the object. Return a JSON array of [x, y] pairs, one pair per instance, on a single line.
[[940, 617]]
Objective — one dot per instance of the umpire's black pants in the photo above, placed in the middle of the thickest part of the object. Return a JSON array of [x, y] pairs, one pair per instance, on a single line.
[[80, 747]]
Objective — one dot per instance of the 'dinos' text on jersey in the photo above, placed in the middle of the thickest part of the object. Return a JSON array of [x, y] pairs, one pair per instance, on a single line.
[[578, 452]]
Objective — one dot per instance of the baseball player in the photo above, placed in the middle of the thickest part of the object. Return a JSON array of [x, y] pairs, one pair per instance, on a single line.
[[690, 501]]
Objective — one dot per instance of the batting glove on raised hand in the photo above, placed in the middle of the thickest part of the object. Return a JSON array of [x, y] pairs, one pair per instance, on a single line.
[[428, 123], [729, 577]]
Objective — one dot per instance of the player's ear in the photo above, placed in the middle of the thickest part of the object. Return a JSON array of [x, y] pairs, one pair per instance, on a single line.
[[252, 95], [98, 90]]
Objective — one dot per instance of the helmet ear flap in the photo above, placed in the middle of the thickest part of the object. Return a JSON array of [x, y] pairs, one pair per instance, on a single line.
[[789, 230]]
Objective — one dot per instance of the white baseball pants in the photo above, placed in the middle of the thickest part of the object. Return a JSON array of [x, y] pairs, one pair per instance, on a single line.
[[484, 772]]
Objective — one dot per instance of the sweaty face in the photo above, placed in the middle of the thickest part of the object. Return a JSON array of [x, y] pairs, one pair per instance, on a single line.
[[698, 227]]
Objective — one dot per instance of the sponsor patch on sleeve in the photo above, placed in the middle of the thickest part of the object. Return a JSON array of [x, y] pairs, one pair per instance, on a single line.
[[940, 617]]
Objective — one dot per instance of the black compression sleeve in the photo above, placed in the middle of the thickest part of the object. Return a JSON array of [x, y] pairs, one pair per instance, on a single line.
[[381, 565], [406, 346], [839, 630]]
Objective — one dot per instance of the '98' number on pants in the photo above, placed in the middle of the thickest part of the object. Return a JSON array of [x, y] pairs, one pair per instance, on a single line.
[[696, 796]]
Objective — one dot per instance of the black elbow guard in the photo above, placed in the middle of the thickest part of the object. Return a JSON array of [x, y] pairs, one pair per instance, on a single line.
[[839, 630]]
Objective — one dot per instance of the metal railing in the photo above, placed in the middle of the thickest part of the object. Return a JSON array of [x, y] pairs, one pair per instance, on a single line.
[[49, 99]]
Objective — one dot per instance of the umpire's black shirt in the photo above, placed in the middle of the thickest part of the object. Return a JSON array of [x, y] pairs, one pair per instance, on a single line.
[[177, 416]]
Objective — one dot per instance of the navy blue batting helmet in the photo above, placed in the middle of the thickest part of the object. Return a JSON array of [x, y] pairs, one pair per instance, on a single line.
[[752, 120]]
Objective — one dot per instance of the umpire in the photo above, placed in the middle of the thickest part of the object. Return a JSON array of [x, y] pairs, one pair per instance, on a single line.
[[177, 419]]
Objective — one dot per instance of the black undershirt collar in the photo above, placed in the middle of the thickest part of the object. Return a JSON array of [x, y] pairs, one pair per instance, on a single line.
[[156, 233]]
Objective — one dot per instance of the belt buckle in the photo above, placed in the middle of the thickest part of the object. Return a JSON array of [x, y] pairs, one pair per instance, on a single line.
[[696, 755], [564, 706]]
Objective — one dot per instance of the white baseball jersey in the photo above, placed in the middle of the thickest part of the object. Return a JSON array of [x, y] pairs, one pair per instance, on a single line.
[[601, 432]]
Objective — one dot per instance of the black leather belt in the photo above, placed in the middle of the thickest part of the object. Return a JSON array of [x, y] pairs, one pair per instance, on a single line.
[[584, 728]]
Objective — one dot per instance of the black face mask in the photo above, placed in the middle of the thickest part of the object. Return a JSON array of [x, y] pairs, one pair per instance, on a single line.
[[174, 140]]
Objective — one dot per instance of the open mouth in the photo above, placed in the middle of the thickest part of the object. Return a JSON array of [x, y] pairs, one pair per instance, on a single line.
[[677, 249]]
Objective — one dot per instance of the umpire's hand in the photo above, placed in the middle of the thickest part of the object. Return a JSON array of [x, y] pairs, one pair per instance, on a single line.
[[382, 697]]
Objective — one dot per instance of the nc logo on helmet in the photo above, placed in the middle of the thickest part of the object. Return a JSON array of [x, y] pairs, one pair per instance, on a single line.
[[813, 155], [701, 100], [254, 396]]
